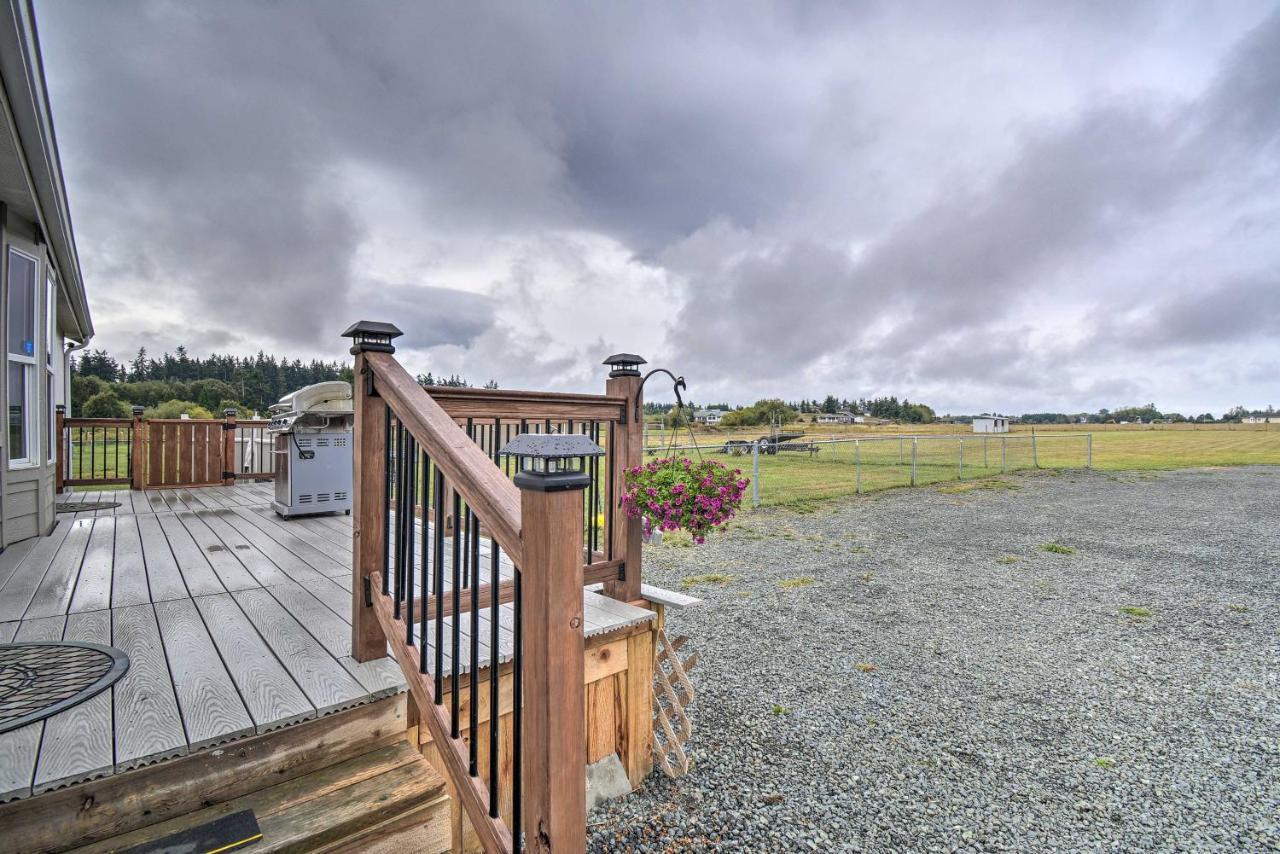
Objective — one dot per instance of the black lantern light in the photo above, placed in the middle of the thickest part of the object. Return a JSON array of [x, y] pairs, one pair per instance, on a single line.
[[551, 462], [624, 365], [370, 336]]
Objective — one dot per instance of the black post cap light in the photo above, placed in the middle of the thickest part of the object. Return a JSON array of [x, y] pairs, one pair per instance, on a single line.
[[551, 462], [370, 336], [137, 411], [624, 365]]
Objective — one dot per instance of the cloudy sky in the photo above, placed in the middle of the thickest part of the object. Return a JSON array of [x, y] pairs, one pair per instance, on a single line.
[[984, 206]]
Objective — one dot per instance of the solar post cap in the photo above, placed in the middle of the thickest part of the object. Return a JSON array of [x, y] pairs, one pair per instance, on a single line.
[[624, 364], [371, 336], [551, 462]]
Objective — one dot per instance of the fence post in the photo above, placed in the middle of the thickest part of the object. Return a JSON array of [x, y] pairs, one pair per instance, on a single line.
[[368, 510], [913, 458], [625, 534], [555, 751], [1004, 443], [1089, 458], [228, 447], [985, 464], [60, 461], [961, 477], [138, 450], [1035, 454], [900, 450], [755, 474], [857, 467]]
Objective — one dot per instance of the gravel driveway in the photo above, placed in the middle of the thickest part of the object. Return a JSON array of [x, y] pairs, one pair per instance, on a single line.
[[945, 683]]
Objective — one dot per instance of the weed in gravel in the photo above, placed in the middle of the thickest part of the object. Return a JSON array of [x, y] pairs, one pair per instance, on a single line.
[[1135, 611], [1238, 609], [706, 578], [780, 710], [1008, 559], [868, 577], [864, 667], [1105, 762], [970, 486], [1057, 548], [792, 583]]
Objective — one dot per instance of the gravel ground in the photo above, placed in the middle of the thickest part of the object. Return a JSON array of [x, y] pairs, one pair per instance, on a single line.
[[945, 684]]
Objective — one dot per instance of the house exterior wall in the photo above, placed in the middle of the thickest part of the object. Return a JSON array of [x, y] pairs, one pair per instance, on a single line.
[[991, 425], [27, 489]]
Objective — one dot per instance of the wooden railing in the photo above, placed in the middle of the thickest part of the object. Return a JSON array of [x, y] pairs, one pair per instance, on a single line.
[[431, 494], [155, 453]]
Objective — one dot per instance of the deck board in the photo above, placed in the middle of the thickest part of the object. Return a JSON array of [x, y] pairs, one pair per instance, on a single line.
[[148, 724], [20, 590], [272, 697], [20, 748], [129, 582], [199, 576], [93, 589], [164, 578], [212, 711], [78, 743], [53, 596]]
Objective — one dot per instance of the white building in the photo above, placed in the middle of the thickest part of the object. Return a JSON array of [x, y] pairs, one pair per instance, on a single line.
[[841, 417], [991, 424], [708, 416], [1260, 419]]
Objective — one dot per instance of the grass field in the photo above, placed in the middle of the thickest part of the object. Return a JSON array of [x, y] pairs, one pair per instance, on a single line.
[[800, 478]]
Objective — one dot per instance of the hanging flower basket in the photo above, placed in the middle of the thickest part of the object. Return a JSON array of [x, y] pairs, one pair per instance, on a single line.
[[680, 494]]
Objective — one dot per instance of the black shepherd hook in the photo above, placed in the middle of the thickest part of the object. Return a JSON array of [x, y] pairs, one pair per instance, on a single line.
[[679, 384]]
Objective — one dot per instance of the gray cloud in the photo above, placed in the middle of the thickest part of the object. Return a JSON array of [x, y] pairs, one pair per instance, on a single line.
[[993, 211]]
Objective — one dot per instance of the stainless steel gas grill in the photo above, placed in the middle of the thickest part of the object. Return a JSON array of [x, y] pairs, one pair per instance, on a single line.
[[312, 428]]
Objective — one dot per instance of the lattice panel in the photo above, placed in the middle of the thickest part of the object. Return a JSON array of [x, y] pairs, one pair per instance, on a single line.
[[672, 694]]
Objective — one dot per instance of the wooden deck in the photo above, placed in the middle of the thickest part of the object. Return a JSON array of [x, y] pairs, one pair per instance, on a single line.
[[236, 622]]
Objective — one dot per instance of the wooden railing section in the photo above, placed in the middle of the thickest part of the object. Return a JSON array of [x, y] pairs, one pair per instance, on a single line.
[[427, 469], [148, 453]]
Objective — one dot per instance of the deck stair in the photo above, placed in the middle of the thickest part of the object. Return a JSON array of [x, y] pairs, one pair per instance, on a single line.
[[388, 799]]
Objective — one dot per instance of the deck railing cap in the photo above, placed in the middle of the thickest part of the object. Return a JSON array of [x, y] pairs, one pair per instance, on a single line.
[[372, 336]]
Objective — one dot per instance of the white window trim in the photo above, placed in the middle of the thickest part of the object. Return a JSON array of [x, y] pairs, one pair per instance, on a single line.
[[51, 362], [29, 405]]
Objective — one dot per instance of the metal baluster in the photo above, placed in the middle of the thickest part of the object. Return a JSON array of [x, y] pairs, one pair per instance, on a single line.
[[411, 500], [422, 617], [494, 585], [437, 535], [386, 506], [611, 462], [399, 461], [595, 492], [475, 642], [457, 608]]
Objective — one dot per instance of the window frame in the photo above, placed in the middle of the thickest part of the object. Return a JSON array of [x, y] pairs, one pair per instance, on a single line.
[[50, 361], [31, 459]]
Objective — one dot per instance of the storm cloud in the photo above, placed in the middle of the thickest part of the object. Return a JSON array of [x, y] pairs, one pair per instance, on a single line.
[[1023, 207]]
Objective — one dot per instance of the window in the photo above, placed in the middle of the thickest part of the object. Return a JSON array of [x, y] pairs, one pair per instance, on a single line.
[[22, 357], [52, 349]]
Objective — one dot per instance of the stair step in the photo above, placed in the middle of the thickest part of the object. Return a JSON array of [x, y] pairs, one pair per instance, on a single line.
[[391, 793]]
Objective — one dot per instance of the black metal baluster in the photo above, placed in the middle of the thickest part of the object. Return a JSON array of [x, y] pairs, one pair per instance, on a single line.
[[495, 583], [399, 458], [93, 450], [609, 464], [386, 506], [457, 608], [438, 582], [517, 710], [426, 563], [595, 491], [410, 515], [475, 641]]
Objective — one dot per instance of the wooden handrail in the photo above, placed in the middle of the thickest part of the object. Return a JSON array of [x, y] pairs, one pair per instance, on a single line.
[[468, 469], [487, 404]]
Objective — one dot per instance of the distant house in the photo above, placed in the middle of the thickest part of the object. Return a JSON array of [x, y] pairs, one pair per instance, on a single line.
[[708, 416], [1260, 419], [841, 417], [991, 424], [47, 312]]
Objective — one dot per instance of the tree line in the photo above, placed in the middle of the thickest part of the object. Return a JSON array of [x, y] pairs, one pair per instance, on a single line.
[[102, 387]]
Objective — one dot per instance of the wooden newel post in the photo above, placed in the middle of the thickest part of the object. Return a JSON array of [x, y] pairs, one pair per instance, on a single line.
[[138, 451], [228, 472], [628, 452], [59, 456], [368, 510], [555, 738]]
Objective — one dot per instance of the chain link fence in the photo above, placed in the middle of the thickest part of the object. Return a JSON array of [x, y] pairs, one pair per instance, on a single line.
[[807, 470]]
